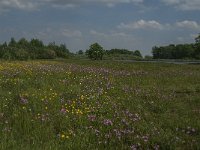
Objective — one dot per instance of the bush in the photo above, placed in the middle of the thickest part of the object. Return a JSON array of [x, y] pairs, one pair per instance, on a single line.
[[95, 52]]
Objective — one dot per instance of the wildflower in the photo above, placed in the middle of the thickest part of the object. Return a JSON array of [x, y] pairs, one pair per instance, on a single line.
[[62, 136], [133, 147], [107, 122], [82, 97], [92, 117], [63, 110], [62, 100], [145, 138], [23, 100], [97, 132], [67, 137]]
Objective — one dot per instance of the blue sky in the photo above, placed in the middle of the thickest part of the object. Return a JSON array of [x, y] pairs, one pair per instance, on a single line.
[[130, 24]]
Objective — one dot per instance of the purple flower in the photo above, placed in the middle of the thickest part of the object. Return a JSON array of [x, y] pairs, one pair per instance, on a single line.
[[107, 122], [145, 138], [96, 132], [63, 111], [133, 147], [92, 117], [156, 147], [118, 133], [23, 100]]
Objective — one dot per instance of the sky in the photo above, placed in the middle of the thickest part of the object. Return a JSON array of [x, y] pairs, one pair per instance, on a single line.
[[128, 24]]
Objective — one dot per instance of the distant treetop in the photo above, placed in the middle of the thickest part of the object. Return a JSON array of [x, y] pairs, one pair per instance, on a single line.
[[33, 49]]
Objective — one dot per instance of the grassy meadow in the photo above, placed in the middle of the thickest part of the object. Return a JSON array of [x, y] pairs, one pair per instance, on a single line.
[[86, 104]]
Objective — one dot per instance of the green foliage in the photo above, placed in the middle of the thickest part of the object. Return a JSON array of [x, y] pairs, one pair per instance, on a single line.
[[123, 54], [179, 51], [12, 42], [137, 53], [34, 49], [147, 57], [80, 52], [95, 52], [197, 47], [197, 39], [21, 54], [119, 51]]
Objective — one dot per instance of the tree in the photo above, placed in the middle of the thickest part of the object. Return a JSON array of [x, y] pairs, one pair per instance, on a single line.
[[34, 49], [12, 42], [80, 52], [147, 57], [95, 52], [197, 47], [22, 43], [137, 53], [36, 43], [197, 39]]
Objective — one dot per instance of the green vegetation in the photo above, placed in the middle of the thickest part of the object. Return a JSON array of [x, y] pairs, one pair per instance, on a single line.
[[122, 54], [98, 105], [34, 49], [180, 51], [95, 52]]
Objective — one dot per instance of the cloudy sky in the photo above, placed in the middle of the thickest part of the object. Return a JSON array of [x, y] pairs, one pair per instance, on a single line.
[[130, 24]]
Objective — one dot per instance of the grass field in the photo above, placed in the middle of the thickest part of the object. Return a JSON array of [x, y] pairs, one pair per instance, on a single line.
[[99, 105]]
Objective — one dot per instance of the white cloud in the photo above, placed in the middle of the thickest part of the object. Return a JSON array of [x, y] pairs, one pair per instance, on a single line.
[[171, 2], [193, 36], [64, 6], [155, 25], [19, 4], [184, 4], [112, 34], [141, 24], [33, 4], [71, 33], [94, 32], [188, 24], [53, 33], [109, 3]]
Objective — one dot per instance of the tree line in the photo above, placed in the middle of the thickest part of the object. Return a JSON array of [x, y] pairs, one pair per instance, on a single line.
[[33, 49], [179, 51], [96, 52], [123, 51]]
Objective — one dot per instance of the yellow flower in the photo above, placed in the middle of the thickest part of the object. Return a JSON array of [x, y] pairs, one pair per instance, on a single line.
[[62, 136]]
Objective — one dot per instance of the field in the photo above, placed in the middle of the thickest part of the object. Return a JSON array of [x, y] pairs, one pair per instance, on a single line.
[[99, 105]]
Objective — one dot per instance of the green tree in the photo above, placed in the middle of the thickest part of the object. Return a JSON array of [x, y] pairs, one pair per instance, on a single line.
[[95, 52], [34, 49], [80, 52], [148, 57], [197, 47], [21, 54], [137, 53], [197, 39], [12, 42], [23, 43], [36, 43]]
